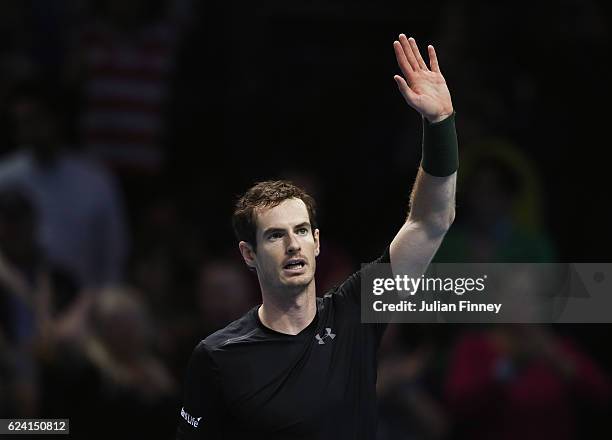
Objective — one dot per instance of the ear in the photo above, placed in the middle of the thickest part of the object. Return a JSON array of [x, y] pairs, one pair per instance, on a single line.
[[317, 242], [248, 254]]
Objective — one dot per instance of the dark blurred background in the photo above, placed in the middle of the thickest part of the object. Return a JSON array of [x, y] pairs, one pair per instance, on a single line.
[[128, 128]]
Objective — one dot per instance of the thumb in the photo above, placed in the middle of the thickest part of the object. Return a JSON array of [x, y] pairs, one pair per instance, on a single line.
[[405, 90]]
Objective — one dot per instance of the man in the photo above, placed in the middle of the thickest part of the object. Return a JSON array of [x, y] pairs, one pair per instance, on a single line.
[[298, 366]]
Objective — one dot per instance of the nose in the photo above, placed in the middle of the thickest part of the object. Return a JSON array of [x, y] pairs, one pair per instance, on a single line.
[[293, 246]]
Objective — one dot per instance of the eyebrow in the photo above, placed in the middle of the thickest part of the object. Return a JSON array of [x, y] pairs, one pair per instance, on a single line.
[[272, 230]]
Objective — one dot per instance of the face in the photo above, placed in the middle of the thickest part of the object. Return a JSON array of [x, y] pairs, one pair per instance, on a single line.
[[224, 292], [286, 247]]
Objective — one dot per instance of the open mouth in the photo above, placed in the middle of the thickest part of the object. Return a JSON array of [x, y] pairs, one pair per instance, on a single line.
[[295, 264]]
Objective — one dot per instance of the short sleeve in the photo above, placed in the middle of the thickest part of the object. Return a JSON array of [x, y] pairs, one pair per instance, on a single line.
[[351, 290], [202, 413]]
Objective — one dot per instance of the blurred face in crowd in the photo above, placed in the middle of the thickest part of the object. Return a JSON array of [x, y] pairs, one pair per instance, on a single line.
[[224, 292], [286, 248], [123, 324]]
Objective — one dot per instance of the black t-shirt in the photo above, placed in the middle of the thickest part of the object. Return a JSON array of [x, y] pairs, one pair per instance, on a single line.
[[248, 380]]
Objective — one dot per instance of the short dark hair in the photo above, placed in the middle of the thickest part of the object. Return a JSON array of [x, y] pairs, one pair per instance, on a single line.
[[267, 194]]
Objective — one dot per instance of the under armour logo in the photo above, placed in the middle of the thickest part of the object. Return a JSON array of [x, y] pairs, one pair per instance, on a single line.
[[328, 334]]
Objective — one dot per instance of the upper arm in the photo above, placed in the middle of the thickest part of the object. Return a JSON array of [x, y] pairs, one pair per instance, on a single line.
[[202, 410], [432, 211], [414, 247]]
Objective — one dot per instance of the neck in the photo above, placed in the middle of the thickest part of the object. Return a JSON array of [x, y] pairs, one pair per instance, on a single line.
[[288, 313]]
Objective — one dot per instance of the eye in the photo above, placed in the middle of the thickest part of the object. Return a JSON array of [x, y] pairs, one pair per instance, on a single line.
[[302, 231], [275, 236]]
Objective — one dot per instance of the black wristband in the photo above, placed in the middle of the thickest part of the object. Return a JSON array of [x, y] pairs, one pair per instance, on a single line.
[[440, 149]]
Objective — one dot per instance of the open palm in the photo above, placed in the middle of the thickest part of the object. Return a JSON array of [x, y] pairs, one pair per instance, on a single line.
[[422, 87]]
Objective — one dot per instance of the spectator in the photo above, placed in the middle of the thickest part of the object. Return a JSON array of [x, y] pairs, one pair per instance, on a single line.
[[116, 373], [500, 203], [81, 227], [36, 300], [522, 381]]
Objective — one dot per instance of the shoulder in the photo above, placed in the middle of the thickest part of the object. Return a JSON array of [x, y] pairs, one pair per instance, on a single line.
[[351, 287], [238, 331]]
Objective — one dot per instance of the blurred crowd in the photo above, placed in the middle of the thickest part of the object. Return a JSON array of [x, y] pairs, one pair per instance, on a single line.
[[129, 126]]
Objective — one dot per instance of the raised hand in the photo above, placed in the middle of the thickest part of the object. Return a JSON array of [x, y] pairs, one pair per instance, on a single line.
[[423, 88]]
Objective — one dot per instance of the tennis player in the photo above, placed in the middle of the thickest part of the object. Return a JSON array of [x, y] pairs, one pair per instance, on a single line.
[[299, 366]]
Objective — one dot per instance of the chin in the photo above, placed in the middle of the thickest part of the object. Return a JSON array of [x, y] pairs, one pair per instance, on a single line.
[[301, 281]]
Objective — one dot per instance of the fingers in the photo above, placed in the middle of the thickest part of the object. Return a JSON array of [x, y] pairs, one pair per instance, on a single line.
[[408, 52], [402, 61], [417, 54], [405, 90], [409, 56], [433, 59]]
